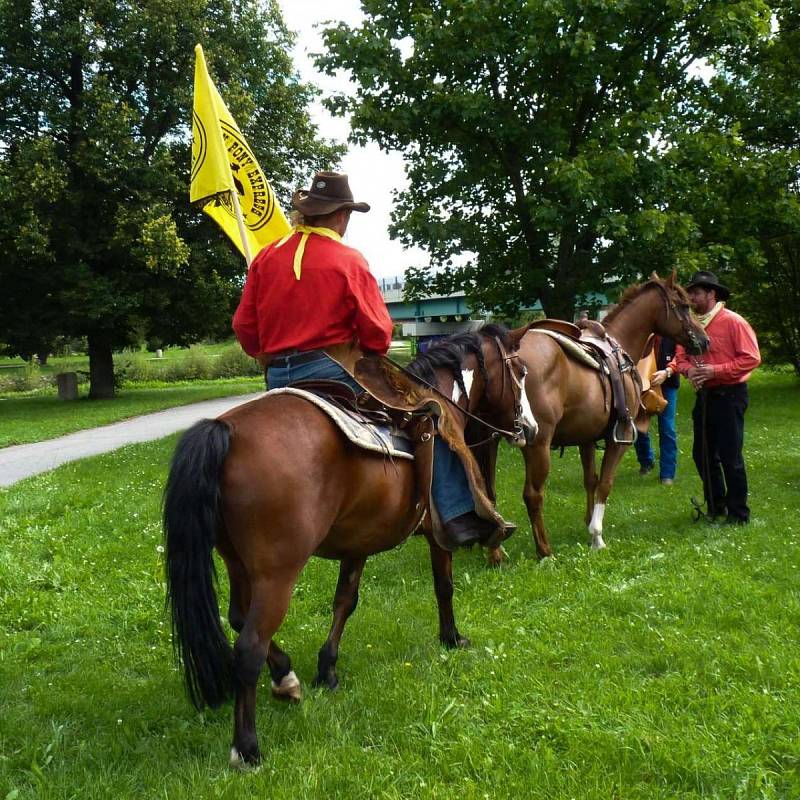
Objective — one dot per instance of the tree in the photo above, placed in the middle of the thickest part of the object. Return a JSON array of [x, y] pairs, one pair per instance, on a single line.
[[97, 236], [756, 106], [534, 132]]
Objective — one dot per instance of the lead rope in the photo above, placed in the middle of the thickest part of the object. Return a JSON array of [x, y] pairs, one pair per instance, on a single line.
[[707, 489]]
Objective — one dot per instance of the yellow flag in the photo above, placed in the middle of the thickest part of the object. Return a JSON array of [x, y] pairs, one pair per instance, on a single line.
[[225, 170]]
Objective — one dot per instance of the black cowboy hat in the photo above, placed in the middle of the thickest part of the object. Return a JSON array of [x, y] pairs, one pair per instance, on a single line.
[[329, 192], [708, 280]]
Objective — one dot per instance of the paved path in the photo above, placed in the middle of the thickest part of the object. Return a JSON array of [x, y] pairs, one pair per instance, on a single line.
[[23, 460]]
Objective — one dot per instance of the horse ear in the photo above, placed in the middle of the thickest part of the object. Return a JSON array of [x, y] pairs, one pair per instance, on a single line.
[[514, 338], [672, 279], [654, 276]]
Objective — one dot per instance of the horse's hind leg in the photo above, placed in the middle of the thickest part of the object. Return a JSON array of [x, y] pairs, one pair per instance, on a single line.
[[269, 602], [285, 684], [589, 476], [239, 602], [442, 565], [344, 604]]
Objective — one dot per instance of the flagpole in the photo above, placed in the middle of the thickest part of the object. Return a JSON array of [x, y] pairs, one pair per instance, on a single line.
[[242, 232]]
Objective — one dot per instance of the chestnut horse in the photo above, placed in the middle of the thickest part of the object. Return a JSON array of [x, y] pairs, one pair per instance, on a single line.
[[570, 403], [272, 483]]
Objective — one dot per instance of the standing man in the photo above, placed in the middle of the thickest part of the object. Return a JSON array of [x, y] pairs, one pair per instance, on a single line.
[[311, 308], [667, 379], [720, 378]]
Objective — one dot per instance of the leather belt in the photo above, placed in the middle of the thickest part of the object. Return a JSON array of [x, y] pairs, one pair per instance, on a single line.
[[295, 359]]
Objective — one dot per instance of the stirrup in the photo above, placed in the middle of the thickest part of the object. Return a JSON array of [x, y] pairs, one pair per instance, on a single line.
[[617, 440], [505, 531]]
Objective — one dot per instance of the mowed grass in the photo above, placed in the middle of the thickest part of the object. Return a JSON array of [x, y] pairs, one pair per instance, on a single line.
[[664, 667], [41, 415]]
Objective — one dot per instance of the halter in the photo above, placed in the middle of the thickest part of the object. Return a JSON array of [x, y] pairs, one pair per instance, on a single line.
[[519, 430], [682, 314], [496, 432]]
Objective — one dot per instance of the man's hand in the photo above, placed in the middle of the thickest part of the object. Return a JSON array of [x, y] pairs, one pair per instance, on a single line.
[[657, 378], [699, 375]]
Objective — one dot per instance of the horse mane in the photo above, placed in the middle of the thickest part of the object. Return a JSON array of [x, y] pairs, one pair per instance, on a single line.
[[632, 292], [450, 354]]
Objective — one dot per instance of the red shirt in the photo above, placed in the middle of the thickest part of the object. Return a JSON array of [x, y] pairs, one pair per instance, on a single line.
[[733, 351], [336, 300]]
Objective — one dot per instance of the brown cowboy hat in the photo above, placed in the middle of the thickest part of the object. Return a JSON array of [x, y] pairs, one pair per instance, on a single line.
[[329, 192], [708, 280]]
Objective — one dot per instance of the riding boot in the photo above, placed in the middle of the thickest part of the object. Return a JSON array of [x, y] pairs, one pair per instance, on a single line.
[[468, 529]]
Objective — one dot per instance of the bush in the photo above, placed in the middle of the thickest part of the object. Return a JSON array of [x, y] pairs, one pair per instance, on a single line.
[[130, 367], [233, 362], [27, 379], [194, 366], [133, 367]]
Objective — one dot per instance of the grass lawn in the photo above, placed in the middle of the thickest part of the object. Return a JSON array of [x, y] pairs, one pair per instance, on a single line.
[[41, 415], [666, 666]]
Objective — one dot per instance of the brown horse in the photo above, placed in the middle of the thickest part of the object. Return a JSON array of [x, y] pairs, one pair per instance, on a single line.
[[272, 483], [571, 405]]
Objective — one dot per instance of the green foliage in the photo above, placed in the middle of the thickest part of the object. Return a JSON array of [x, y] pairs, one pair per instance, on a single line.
[[233, 361], [761, 184], [97, 235], [27, 379], [131, 368], [539, 136], [665, 667]]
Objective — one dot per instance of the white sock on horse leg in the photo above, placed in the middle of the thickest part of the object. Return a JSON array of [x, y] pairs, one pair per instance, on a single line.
[[596, 526]]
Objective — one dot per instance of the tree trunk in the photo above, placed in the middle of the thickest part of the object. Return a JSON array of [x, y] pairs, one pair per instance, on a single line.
[[101, 367]]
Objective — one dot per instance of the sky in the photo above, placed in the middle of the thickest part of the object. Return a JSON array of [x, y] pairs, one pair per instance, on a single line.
[[373, 174]]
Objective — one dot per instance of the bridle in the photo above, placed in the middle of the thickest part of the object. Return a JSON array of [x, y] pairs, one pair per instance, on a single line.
[[519, 382], [496, 432], [682, 314], [518, 434]]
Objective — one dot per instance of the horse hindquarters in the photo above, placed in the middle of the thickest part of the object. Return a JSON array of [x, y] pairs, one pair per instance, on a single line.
[[191, 519]]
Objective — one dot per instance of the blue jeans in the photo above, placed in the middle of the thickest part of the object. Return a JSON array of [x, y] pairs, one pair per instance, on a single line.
[[667, 439], [324, 369], [450, 487]]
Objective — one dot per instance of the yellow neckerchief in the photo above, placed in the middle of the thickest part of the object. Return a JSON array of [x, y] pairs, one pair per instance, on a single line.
[[703, 320], [306, 231]]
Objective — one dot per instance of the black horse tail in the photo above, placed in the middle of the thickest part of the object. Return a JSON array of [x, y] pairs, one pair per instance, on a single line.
[[191, 519]]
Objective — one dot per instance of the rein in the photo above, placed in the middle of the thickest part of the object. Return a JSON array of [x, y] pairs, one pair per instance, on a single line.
[[517, 407], [520, 384], [496, 432]]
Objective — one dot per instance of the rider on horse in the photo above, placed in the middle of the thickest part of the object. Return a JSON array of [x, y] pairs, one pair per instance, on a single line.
[[311, 308]]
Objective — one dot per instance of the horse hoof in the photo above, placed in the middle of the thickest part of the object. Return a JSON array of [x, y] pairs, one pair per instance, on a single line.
[[459, 642], [598, 543], [331, 682], [496, 556], [288, 689], [243, 760]]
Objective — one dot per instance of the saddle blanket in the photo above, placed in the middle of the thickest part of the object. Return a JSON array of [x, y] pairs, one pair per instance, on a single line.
[[575, 349], [378, 438]]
